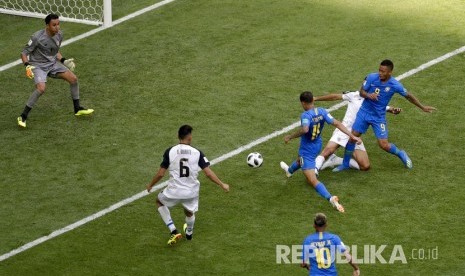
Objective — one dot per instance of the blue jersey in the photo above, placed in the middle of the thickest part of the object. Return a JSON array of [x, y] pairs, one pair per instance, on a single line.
[[385, 91], [311, 142], [319, 250]]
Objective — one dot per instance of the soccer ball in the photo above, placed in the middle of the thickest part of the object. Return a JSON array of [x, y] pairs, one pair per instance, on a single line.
[[254, 159]]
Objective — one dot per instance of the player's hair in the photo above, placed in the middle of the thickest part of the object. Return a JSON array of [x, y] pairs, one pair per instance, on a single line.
[[306, 97], [50, 17], [388, 63], [184, 131], [320, 220]]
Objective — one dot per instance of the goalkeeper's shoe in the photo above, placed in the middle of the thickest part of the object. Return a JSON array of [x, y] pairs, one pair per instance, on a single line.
[[21, 123], [405, 159], [83, 111], [174, 238], [188, 233], [334, 200], [285, 167]]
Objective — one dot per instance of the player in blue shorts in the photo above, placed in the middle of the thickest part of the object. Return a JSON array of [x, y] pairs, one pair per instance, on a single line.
[[378, 89], [320, 249], [313, 120]]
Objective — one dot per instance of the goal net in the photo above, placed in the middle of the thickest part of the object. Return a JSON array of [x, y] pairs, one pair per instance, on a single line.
[[94, 12]]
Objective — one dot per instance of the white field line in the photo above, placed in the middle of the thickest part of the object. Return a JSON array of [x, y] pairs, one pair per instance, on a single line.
[[213, 162], [155, 188], [97, 30]]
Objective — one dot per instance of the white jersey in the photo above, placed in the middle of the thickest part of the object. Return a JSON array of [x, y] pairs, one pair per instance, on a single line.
[[354, 103], [184, 163]]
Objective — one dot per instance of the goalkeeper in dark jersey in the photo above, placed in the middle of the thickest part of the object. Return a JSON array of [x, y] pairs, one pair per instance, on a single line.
[[42, 59]]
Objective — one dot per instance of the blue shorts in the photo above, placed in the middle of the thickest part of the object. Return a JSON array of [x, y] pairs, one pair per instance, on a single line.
[[364, 120], [307, 163]]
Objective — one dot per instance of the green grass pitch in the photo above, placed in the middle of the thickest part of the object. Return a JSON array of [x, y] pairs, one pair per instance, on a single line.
[[233, 69]]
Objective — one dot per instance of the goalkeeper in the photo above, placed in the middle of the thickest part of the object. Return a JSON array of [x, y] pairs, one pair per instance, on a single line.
[[41, 58]]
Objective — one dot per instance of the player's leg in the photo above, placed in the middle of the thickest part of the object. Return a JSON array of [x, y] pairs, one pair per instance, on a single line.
[[72, 79], [360, 159], [393, 149], [381, 133], [289, 170], [163, 203], [348, 153], [322, 161], [190, 208], [308, 169], [40, 78], [359, 127], [338, 139]]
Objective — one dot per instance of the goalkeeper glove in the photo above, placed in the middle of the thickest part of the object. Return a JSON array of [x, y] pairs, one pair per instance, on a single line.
[[69, 63], [29, 72]]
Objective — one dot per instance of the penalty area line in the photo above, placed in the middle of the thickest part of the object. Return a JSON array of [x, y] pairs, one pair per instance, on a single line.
[[213, 162]]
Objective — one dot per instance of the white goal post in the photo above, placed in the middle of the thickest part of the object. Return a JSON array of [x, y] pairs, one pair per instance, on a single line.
[[93, 12]]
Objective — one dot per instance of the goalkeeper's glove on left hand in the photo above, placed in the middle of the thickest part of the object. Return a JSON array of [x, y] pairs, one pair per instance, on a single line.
[[69, 63]]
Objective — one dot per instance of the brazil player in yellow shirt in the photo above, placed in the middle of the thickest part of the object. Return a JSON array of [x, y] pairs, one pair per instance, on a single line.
[[320, 249]]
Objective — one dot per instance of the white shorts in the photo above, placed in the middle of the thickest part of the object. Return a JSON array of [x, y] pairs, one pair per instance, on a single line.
[[191, 204], [341, 139]]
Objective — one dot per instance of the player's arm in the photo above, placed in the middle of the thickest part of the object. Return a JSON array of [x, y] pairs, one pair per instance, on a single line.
[[342, 128], [411, 98], [304, 129], [69, 63], [354, 265], [24, 58], [329, 97], [161, 172], [366, 95], [30, 46], [213, 177]]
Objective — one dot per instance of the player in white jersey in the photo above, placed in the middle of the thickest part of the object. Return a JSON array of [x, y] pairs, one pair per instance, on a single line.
[[43, 59], [360, 160], [184, 163]]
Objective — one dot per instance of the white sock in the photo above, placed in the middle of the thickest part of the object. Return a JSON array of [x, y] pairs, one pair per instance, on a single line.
[[190, 224], [326, 164], [166, 217], [319, 162], [332, 161], [353, 164]]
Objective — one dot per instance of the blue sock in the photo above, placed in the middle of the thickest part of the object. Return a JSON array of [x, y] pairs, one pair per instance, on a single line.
[[294, 167], [321, 190], [393, 149], [350, 147]]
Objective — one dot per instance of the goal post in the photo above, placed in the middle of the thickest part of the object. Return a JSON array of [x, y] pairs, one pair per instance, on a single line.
[[93, 12]]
